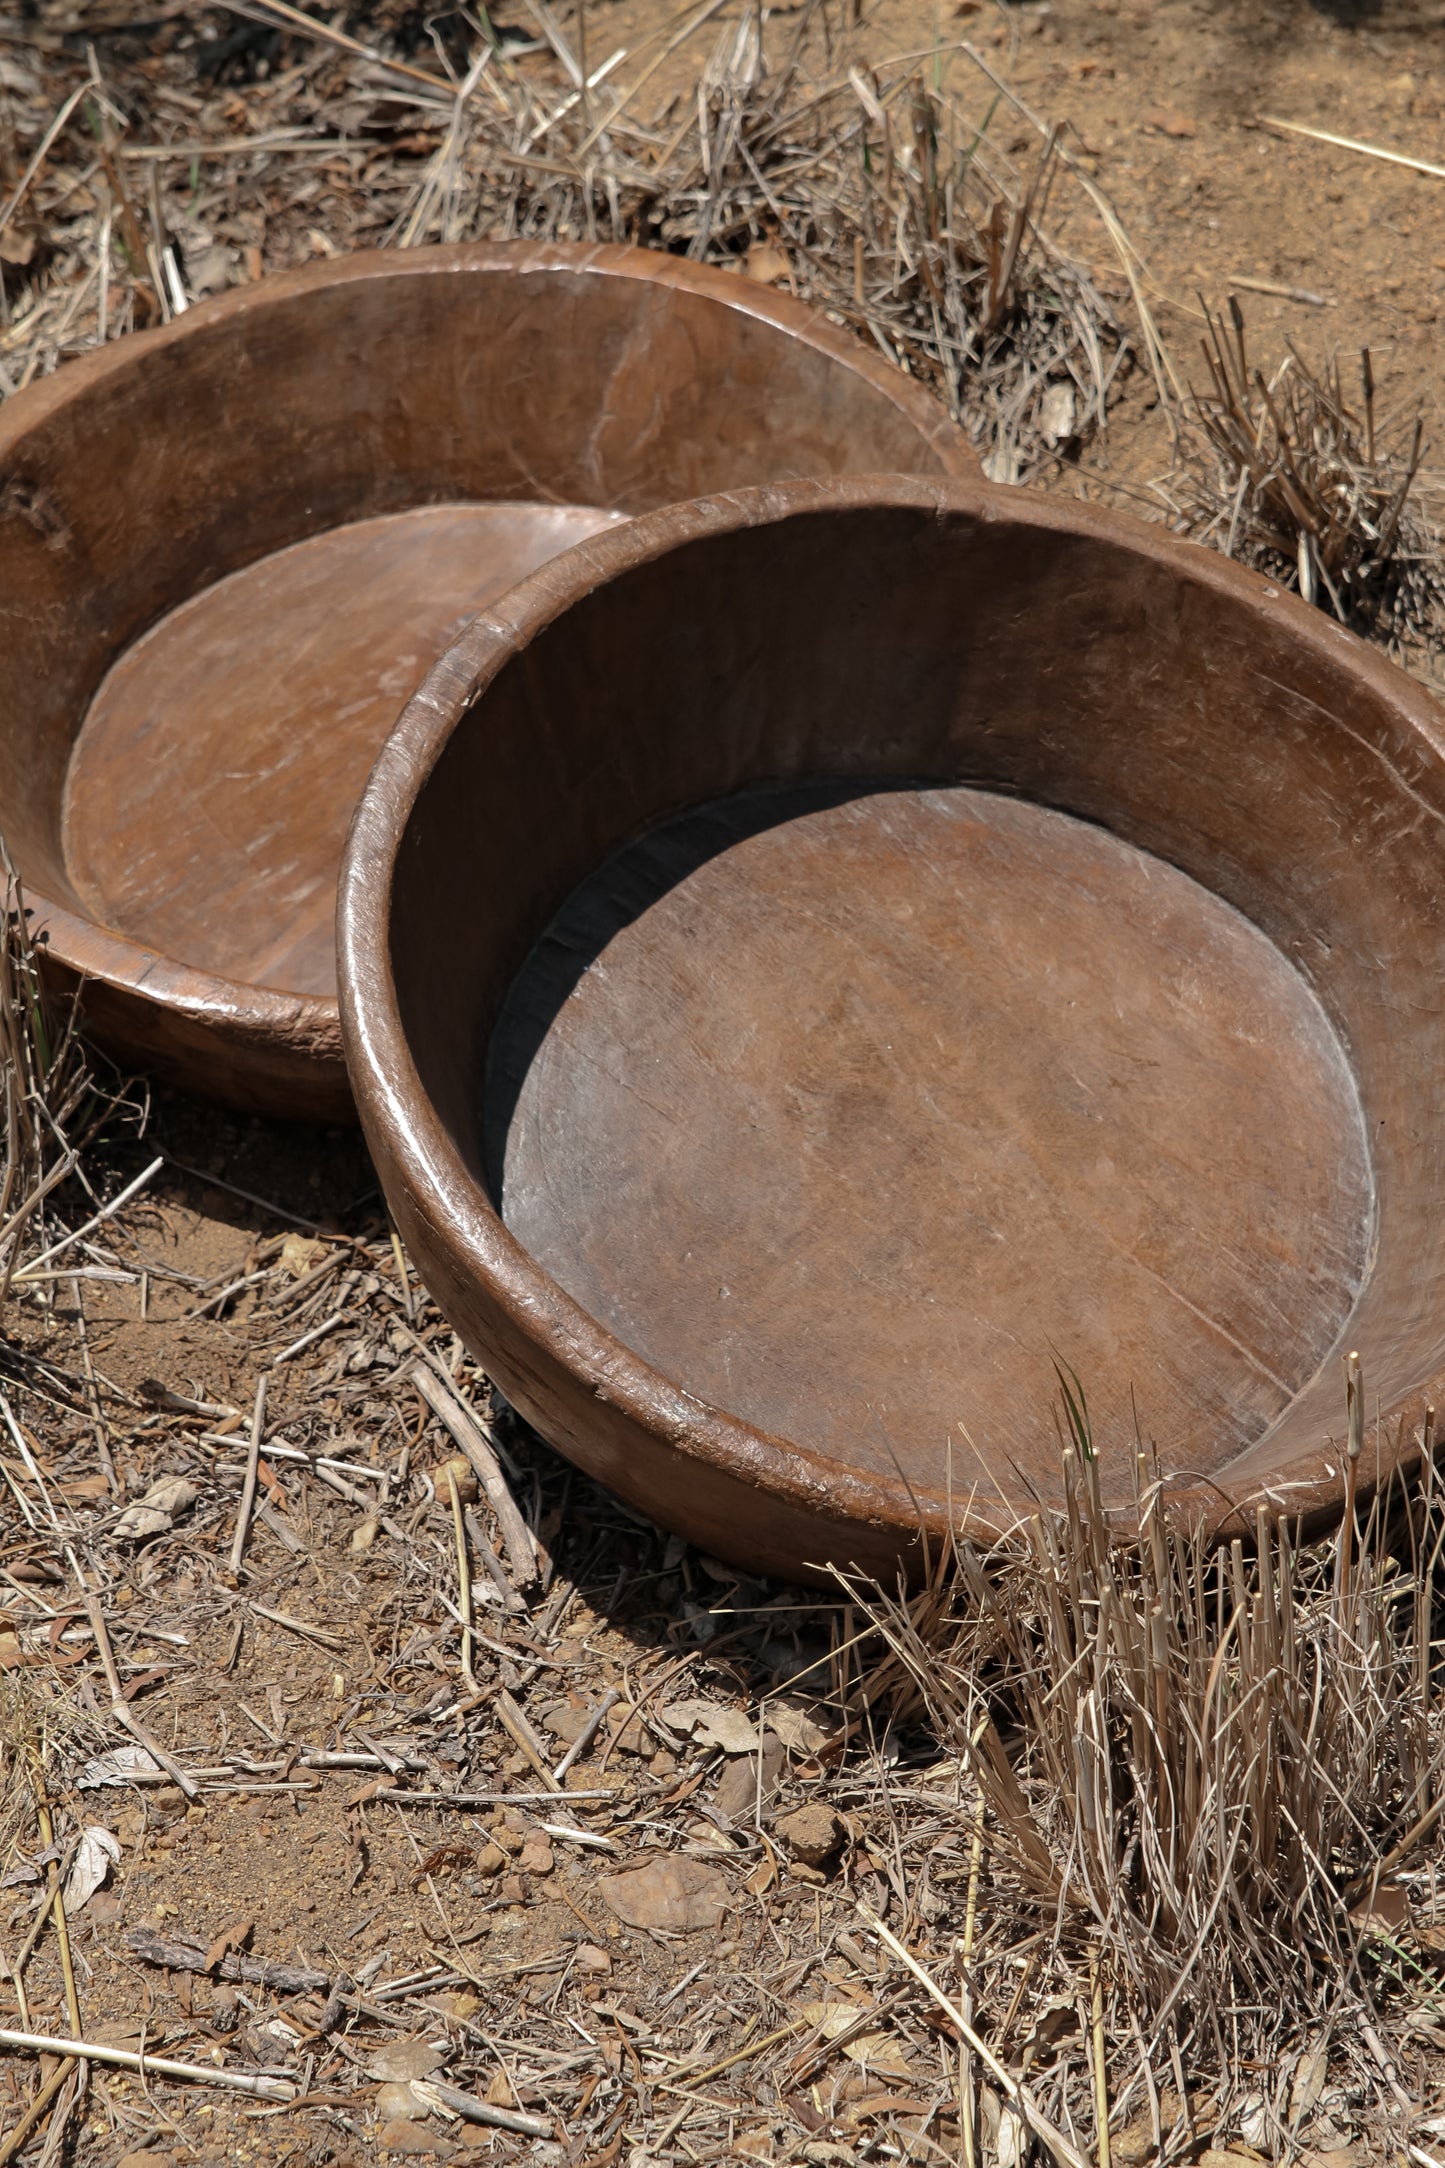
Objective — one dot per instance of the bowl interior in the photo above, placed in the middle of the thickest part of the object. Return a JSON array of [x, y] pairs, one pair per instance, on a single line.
[[871, 956], [228, 555]]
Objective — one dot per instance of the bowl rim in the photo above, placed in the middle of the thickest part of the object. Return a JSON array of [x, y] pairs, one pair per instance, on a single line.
[[96, 951], [413, 1147]]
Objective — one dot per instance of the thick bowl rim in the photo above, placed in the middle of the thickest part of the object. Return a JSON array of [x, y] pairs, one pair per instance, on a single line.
[[99, 952], [405, 1131]]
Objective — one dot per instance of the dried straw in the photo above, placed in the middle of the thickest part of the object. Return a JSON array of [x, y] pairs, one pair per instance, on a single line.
[[1203, 1771], [1286, 475], [864, 189]]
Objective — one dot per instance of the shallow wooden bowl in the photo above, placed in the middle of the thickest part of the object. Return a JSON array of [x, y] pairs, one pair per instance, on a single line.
[[818, 957], [231, 548]]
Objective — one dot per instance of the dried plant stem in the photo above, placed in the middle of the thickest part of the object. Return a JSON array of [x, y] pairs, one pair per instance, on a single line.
[[57, 1900], [13, 2143], [1100, 2059], [468, 1434], [161, 2066], [587, 1734], [253, 1461], [119, 1707], [1057, 2144], [464, 1580]]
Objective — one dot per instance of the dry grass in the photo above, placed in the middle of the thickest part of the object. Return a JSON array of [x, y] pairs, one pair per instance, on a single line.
[[1288, 475], [51, 1105], [875, 191], [865, 189], [1212, 1783]]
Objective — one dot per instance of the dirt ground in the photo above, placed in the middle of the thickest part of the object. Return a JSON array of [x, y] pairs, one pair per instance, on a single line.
[[738, 2006], [481, 1933]]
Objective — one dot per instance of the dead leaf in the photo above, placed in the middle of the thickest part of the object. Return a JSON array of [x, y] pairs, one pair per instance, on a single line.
[[208, 270], [1384, 1916], [299, 1253], [681, 1894], [395, 2100], [713, 1725], [1013, 2138], [402, 2061], [766, 263], [880, 2052], [1307, 2084], [234, 1937], [270, 1481], [86, 1487], [98, 1852], [796, 1723], [157, 1511], [119, 1767], [830, 2018], [743, 1787]]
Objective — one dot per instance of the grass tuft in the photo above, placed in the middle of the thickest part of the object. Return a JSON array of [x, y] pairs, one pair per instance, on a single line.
[[1289, 476], [1208, 1775]]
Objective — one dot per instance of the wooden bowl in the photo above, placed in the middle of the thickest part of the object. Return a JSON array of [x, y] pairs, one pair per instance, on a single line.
[[816, 958], [230, 549]]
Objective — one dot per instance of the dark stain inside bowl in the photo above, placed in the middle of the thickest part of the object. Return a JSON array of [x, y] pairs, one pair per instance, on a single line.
[[851, 1109], [211, 784]]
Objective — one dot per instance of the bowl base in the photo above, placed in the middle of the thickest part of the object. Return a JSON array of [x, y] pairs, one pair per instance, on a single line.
[[211, 786], [853, 1110]]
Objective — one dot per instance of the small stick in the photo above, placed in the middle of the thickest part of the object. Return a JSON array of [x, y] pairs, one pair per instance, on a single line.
[[324, 31], [1022, 2099], [107, 1465], [464, 1578], [57, 1902], [399, 1260], [1101, 2071], [686, 2081], [584, 1837], [516, 1725], [1348, 143], [1301, 294], [17, 196], [1355, 1407], [248, 1495], [469, 1435], [317, 1332], [14, 2140], [473, 2110], [587, 1734], [582, 62], [302, 1626], [965, 2066], [394, 1796], [161, 2066], [98, 1219], [37, 1927], [119, 1706]]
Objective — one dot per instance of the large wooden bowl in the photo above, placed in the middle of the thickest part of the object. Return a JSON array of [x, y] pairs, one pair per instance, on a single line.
[[815, 958], [231, 548]]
